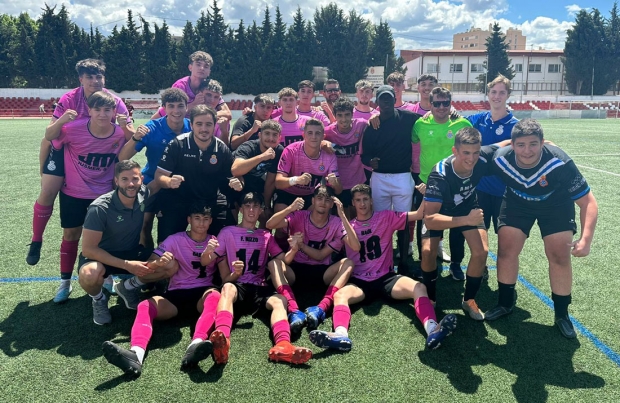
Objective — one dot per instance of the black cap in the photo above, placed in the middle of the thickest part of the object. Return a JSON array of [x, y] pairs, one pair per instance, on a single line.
[[385, 89]]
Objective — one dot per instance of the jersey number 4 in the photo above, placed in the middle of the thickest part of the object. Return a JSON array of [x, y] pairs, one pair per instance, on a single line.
[[370, 249], [253, 264]]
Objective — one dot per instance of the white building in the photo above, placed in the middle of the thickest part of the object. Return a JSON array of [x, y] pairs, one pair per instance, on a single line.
[[538, 72]]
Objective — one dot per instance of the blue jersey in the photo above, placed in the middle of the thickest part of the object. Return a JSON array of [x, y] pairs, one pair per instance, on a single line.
[[492, 132], [155, 142]]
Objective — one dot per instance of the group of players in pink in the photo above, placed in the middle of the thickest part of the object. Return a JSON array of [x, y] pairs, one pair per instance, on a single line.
[[294, 175]]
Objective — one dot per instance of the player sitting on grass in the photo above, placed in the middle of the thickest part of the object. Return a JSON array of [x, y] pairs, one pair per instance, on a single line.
[[191, 289], [248, 252], [373, 275]]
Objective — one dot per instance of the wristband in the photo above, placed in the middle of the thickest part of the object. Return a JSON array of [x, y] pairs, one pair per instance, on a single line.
[[292, 180], [135, 139]]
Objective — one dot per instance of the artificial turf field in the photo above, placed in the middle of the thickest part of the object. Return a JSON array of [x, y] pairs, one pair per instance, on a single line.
[[52, 353]]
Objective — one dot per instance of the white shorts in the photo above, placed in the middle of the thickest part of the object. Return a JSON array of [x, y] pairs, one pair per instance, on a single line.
[[392, 191]]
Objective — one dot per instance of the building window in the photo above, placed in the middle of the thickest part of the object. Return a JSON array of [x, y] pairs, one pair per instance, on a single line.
[[518, 68], [456, 68], [554, 68], [477, 68], [535, 68], [432, 68]]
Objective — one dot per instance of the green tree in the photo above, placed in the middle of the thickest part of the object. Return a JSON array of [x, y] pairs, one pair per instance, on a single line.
[[273, 70], [25, 58], [215, 43], [187, 46], [299, 49], [497, 58], [613, 35], [9, 41], [382, 50]]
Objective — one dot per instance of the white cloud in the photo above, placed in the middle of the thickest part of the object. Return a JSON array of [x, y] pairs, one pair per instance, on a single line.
[[573, 9]]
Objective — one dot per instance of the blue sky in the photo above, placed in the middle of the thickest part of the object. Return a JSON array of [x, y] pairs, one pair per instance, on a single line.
[[416, 24]]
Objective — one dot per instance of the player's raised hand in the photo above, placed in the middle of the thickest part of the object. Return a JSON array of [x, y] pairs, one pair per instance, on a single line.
[[339, 206], [296, 240], [374, 163], [211, 246], [237, 267], [332, 179], [235, 184], [175, 181], [256, 126], [297, 204], [68, 116], [374, 121], [475, 217], [304, 179], [200, 98], [580, 248], [122, 119], [141, 131], [246, 111], [421, 188], [269, 154], [163, 260], [327, 147]]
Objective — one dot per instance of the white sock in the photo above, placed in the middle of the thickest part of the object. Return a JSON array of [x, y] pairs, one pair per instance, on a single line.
[[65, 283], [195, 341], [430, 326], [132, 283], [139, 352], [341, 330], [98, 297]]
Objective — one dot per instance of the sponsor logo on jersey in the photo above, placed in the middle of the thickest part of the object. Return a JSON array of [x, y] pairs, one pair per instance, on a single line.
[[119, 218]]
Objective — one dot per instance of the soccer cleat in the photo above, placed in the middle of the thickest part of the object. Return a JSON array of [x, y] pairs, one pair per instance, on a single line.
[[62, 295], [126, 360], [566, 327], [34, 253], [109, 286], [441, 254], [131, 297], [444, 328], [314, 317], [101, 313], [457, 272], [284, 351], [330, 340], [471, 308], [297, 320], [195, 353], [221, 347], [497, 312]]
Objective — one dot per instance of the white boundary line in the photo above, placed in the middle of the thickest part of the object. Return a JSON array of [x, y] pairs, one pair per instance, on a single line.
[[595, 155], [598, 170]]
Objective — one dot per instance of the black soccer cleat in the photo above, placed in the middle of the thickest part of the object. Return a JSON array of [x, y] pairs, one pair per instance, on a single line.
[[126, 360], [566, 327], [497, 312], [196, 353], [34, 253]]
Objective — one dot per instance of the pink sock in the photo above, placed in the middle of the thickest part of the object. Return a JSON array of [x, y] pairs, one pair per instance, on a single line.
[[142, 328], [328, 299], [424, 309], [281, 331], [68, 255], [41, 215], [341, 316], [287, 292], [207, 317], [223, 322]]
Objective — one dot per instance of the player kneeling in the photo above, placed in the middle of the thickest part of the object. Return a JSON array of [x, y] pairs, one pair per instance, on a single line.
[[373, 275], [248, 252], [190, 288]]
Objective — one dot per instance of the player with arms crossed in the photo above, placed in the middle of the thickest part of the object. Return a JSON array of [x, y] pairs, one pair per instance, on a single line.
[[542, 185], [373, 276]]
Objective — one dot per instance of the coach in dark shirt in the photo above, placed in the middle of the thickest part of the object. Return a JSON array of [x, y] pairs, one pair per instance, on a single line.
[[387, 150]]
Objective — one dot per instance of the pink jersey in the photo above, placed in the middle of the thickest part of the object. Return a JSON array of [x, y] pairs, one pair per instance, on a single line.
[[406, 106], [330, 234], [357, 114], [374, 258], [292, 131], [184, 85], [255, 247], [187, 252], [89, 160], [348, 152], [295, 162], [76, 101], [316, 115]]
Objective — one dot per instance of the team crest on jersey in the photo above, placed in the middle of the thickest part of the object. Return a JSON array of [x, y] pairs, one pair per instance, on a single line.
[[500, 130], [115, 145], [543, 181], [213, 159], [51, 166], [321, 167], [450, 134]]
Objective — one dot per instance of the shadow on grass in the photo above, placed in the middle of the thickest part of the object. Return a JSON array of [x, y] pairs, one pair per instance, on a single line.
[[537, 354], [213, 374]]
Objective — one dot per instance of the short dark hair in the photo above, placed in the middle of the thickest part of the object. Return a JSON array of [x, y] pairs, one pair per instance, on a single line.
[[125, 165], [440, 92], [201, 56], [343, 104], [395, 77], [361, 188], [199, 208], [100, 99], [305, 84], [199, 110], [313, 122], [425, 77], [331, 81], [527, 127], [173, 95], [271, 124], [90, 66], [211, 85], [253, 197], [324, 191], [263, 98], [467, 135]]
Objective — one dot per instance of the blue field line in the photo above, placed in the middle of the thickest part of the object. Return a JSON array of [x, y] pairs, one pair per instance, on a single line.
[[32, 279]]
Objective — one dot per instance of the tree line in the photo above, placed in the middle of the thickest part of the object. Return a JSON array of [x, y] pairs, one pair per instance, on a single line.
[[249, 58]]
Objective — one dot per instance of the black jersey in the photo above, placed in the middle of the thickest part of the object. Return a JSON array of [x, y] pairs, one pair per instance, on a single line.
[[554, 181], [255, 178], [456, 194]]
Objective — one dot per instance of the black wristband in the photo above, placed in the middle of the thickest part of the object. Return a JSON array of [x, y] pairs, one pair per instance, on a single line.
[[135, 139]]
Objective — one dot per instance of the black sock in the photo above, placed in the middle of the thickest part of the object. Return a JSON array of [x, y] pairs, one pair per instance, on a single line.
[[560, 304], [429, 279], [472, 285], [506, 294]]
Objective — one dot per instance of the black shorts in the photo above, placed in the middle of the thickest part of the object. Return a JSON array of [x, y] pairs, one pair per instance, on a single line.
[[73, 210], [284, 197], [491, 206], [186, 299], [550, 221], [252, 299], [426, 233], [381, 287], [55, 162], [309, 277], [139, 253]]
